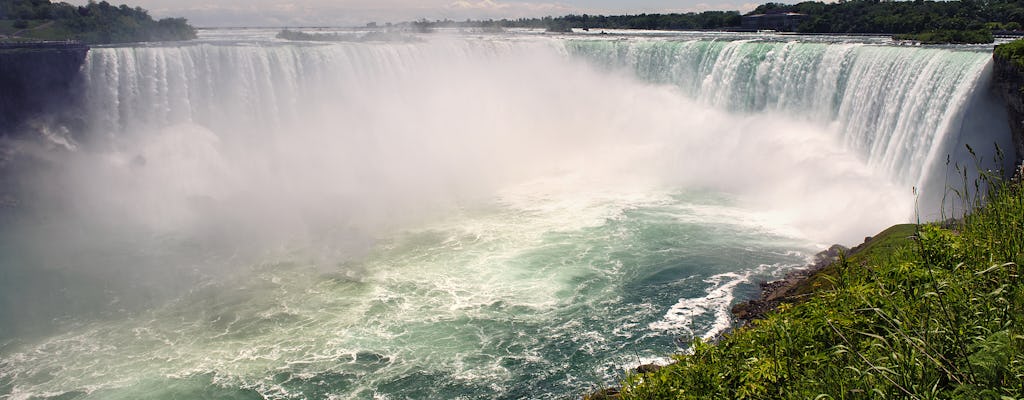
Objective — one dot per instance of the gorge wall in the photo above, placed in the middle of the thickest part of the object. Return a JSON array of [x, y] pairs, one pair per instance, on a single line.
[[1008, 82], [36, 79]]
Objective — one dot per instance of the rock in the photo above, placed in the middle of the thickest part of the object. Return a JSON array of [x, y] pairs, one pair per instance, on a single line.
[[829, 256], [648, 368], [1008, 82], [37, 79], [783, 290], [604, 394]]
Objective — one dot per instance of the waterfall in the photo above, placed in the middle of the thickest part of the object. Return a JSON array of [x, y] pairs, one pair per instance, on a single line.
[[228, 87], [901, 108], [507, 216]]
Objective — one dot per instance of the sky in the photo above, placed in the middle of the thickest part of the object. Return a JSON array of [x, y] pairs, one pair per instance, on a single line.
[[276, 13]]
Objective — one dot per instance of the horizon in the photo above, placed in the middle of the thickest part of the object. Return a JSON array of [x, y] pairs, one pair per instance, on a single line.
[[355, 13]]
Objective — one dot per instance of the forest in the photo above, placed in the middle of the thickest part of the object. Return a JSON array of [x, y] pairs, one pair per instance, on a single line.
[[685, 21], [94, 23], [961, 21], [872, 16]]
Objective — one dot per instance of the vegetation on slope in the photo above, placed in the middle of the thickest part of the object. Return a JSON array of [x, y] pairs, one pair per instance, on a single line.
[[94, 23], [1013, 51], [966, 21], [872, 16], [936, 314], [676, 21], [949, 36]]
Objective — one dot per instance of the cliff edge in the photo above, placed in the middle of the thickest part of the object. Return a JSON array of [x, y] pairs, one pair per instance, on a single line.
[[36, 79], [1008, 82]]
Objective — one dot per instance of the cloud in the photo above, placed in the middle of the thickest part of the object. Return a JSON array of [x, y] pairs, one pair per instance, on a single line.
[[496, 9]]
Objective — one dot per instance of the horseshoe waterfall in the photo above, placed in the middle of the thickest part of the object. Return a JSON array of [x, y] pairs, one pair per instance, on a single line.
[[456, 216]]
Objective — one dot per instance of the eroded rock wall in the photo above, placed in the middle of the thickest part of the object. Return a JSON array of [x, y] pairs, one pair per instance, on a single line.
[[36, 80], [1009, 84]]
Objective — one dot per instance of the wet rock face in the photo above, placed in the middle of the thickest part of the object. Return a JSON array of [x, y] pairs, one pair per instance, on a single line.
[[40, 98], [37, 80], [1008, 82]]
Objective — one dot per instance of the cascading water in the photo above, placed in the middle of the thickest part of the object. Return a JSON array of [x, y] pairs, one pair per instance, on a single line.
[[457, 217], [894, 106]]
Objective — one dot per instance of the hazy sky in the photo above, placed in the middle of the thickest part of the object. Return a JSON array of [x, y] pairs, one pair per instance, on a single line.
[[205, 13]]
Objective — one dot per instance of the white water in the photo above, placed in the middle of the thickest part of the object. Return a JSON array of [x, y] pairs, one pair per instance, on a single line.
[[517, 216], [899, 108]]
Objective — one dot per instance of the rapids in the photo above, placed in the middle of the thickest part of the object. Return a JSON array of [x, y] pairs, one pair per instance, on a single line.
[[461, 216]]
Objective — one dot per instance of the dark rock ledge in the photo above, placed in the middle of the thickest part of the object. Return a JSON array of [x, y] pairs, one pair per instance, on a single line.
[[1008, 83], [793, 287], [786, 289]]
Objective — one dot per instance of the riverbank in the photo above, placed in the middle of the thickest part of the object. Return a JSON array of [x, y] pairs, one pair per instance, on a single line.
[[797, 286], [933, 314], [804, 282], [914, 311]]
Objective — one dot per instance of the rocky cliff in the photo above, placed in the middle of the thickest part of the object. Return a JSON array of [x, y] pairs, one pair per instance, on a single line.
[[36, 79], [1009, 84]]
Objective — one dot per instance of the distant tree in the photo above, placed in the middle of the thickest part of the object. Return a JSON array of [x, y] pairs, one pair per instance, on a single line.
[[899, 17], [99, 22]]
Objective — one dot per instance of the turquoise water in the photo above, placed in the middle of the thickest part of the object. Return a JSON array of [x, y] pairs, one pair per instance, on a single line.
[[511, 216], [537, 295]]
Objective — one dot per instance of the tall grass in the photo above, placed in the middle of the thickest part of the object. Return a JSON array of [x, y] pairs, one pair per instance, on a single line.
[[934, 314]]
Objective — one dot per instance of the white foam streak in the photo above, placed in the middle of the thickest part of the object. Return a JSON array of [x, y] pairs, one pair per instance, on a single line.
[[424, 197], [710, 315]]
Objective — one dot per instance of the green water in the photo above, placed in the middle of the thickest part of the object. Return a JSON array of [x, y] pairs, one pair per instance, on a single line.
[[530, 296], [461, 217]]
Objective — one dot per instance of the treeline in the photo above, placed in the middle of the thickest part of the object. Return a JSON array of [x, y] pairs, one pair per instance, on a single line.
[[94, 23], [906, 17], [687, 21], [932, 21]]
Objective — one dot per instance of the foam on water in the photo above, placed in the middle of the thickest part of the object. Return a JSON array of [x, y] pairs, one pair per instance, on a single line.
[[716, 303], [496, 296], [901, 108], [460, 217]]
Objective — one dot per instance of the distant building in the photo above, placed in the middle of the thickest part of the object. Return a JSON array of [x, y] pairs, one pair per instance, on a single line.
[[784, 21]]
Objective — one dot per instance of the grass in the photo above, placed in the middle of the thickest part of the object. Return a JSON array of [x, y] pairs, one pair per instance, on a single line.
[[920, 311], [879, 246]]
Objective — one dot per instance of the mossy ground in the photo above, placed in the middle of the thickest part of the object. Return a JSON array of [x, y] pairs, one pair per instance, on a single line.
[[879, 246]]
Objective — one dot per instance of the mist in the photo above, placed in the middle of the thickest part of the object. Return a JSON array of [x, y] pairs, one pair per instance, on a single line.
[[198, 161]]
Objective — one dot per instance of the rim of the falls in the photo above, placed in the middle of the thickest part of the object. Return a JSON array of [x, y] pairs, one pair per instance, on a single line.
[[605, 213], [187, 113], [895, 105], [899, 106]]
